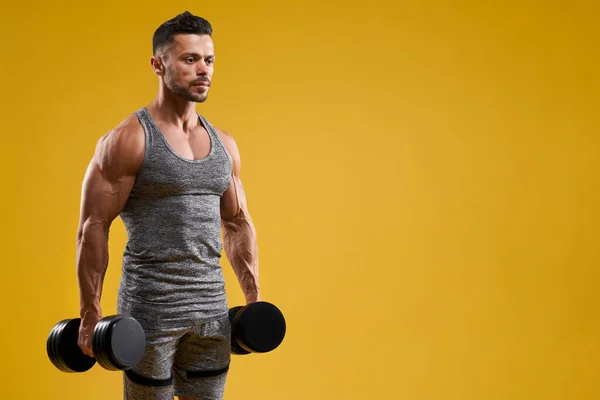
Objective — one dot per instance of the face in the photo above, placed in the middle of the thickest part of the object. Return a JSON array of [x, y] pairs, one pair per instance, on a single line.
[[186, 66]]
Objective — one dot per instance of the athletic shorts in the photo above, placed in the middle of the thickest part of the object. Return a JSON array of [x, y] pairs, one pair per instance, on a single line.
[[187, 360]]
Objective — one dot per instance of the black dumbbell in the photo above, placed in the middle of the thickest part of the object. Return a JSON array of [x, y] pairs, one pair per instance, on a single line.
[[256, 328], [118, 343]]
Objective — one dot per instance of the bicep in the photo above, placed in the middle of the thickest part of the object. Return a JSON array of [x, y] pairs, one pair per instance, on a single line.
[[103, 196], [233, 201]]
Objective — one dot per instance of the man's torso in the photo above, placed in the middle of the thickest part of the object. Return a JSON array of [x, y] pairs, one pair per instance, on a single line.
[[171, 261]]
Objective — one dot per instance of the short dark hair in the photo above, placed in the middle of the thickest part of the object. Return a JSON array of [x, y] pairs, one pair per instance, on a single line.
[[185, 22]]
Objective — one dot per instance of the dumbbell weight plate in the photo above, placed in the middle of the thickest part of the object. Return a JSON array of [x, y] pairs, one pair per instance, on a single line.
[[120, 343], [99, 343], [63, 350], [235, 347], [128, 343], [259, 327], [52, 346]]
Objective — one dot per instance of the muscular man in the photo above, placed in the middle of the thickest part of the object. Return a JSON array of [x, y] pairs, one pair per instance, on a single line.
[[175, 181]]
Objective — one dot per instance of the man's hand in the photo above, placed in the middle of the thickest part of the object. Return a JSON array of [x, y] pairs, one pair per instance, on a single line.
[[86, 332]]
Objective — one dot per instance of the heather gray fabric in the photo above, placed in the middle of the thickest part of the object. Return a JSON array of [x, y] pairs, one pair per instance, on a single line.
[[177, 354], [172, 282], [171, 273]]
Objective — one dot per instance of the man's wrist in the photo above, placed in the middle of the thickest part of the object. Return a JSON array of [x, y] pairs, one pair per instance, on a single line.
[[252, 295], [91, 312]]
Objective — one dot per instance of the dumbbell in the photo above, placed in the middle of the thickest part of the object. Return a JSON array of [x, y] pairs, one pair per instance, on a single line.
[[256, 328], [118, 343]]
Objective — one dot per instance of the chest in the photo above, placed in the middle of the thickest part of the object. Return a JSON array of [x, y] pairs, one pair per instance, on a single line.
[[179, 164], [194, 145]]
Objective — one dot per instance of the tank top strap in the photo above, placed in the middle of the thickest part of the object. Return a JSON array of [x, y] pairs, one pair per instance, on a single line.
[[149, 131], [216, 140]]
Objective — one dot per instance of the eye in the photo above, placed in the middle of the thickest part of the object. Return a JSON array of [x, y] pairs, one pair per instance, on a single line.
[[210, 61], [189, 60]]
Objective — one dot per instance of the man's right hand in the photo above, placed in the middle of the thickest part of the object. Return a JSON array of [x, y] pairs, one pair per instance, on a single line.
[[86, 332]]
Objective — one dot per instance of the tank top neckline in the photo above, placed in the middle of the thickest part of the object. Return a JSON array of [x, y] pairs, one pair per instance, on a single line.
[[204, 124]]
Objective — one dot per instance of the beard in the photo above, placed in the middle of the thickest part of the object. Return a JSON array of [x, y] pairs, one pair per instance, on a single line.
[[184, 92]]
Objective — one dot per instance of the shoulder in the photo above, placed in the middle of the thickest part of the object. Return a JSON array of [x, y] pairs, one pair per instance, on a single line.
[[122, 148], [129, 134]]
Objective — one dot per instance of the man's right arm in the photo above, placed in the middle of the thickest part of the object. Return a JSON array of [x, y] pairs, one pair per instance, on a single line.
[[106, 187]]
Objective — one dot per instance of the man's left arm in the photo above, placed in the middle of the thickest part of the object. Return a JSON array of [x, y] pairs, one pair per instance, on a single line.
[[239, 234]]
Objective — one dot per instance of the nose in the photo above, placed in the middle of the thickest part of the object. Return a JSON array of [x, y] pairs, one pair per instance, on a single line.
[[202, 69]]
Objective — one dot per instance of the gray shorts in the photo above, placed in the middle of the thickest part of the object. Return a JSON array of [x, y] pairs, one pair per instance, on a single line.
[[189, 360]]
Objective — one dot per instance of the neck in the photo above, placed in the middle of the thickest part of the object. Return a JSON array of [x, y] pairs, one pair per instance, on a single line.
[[173, 110]]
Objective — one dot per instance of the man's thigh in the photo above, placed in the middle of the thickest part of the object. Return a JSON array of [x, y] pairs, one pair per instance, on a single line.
[[152, 377], [201, 361]]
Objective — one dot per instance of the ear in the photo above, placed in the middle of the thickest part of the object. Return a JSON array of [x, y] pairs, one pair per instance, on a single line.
[[157, 65]]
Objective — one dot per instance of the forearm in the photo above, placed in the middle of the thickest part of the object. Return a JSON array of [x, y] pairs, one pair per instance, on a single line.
[[92, 263], [241, 249]]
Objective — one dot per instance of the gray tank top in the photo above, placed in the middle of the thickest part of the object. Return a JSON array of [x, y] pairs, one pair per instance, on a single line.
[[171, 267]]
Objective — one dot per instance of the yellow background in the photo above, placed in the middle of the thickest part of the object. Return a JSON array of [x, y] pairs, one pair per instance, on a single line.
[[423, 177]]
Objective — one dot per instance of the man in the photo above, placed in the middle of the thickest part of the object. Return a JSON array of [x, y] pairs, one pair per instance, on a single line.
[[175, 181]]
